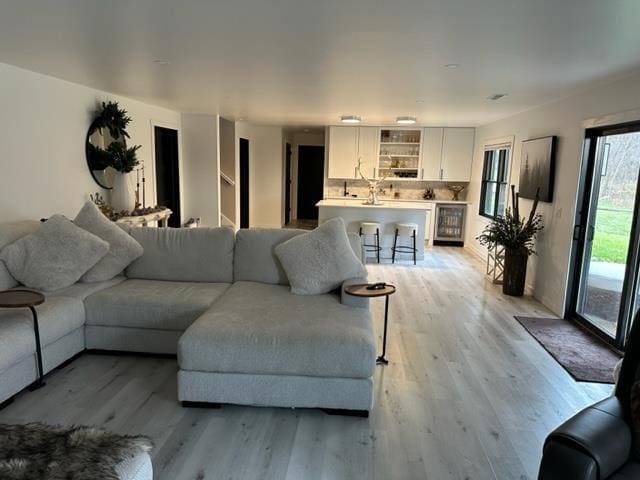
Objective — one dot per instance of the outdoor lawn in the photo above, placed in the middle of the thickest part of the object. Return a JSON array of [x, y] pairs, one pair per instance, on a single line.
[[611, 239]]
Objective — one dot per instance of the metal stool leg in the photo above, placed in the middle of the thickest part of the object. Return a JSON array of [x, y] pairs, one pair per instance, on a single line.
[[414, 247], [364, 249], [395, 241], [378, 244]]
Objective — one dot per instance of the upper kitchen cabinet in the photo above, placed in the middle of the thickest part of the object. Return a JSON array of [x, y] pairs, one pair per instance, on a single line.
[[368, 150], [432, 153], [346, 146], [343, 152], [457, 154], [400, 153], [448, 153]]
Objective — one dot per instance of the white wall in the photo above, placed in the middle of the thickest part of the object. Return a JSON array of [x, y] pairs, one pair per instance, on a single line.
[[548, 272], [201, 144], [43, 126], [266, 174]]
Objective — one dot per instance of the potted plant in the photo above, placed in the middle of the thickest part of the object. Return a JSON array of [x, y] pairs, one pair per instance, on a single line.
[[111, 152], [123, 160], [517, 236]]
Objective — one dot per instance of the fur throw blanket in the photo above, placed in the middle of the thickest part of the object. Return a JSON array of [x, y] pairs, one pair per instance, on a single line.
[[42, 452]]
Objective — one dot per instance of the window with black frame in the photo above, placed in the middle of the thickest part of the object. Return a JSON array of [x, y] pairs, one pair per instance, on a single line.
[[493, 193]]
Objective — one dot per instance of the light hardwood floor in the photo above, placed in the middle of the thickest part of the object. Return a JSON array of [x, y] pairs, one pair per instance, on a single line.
[[468, 394]]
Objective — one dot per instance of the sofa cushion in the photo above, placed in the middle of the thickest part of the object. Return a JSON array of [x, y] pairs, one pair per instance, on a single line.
[[254, 259], [152, 304], [319, 261], [123, 248], [184, 254], [55, 256], [57, 317], [9, 233], [258, 328], [83, 290]]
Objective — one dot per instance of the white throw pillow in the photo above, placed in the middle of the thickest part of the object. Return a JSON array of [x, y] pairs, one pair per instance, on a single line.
[[320, 261], [123, 248], [55, 256]]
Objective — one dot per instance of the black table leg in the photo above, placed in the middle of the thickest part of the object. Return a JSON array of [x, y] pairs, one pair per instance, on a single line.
[[381, 358], [39, 382]]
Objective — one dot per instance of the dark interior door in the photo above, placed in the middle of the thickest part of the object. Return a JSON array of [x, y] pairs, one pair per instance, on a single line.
[[167, 172], [244, 183], [310, 179], [287, 183]]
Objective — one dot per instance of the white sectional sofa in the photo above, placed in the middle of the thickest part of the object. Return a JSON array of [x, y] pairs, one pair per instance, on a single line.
[[222, 303]]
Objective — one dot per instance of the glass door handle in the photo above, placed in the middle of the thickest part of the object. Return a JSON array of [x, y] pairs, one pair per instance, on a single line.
[[576, 232], [590, 233]]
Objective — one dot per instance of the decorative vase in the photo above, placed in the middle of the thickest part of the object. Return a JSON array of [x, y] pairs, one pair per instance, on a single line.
[[515, 271], [122, 197]]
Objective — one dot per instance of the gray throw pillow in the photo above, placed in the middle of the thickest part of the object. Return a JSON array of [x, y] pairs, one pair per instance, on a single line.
[[123, 248], [319, 261], [55, 256], [9, 233]]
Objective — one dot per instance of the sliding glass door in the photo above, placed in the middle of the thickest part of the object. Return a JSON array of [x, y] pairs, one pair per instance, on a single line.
[[605, 286]]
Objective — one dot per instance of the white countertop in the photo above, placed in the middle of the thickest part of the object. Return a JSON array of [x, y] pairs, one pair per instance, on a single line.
[[387, 203], [386, 199], [357, 203]]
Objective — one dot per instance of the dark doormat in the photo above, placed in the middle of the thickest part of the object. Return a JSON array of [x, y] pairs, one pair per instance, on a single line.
[[584, 356]]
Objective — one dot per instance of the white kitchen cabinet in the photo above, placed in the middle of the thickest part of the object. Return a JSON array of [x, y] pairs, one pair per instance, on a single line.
[[432, 153], [347, 145], [343, 152], [447, 154], [457, 154], [368, 150]]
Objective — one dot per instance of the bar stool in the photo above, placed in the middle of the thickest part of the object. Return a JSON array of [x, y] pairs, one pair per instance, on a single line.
[[404, 230], [371, 228]]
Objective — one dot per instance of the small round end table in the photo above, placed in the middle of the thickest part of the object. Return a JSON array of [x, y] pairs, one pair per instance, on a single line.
[[23, 298], [361, 290]]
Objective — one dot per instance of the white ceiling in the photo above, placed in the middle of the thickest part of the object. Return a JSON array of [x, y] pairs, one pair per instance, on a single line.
[[306, 62]]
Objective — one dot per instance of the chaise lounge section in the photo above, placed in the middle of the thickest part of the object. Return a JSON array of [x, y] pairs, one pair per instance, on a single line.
[[262, 345]]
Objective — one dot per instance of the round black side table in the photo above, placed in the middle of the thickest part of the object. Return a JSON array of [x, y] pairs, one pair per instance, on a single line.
[[23, 298], [361, 290]]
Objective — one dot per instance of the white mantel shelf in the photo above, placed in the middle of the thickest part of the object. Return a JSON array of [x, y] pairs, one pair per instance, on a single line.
[[161, 216]]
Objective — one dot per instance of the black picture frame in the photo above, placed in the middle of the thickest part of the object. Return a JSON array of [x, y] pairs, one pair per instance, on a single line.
[[537, 168]]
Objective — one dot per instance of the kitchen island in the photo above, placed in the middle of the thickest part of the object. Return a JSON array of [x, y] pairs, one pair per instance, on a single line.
[[354, 211]]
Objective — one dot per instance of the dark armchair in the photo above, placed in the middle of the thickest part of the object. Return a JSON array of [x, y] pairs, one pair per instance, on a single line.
[[596, 443]]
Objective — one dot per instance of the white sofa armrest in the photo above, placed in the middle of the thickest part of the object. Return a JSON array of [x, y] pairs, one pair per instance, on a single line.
[[350, 300]]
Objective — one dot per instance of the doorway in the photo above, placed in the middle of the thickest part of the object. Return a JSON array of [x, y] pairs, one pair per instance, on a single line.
[[606, 234], [168, 172], [287, 183], [244, 183], [310, 180]]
